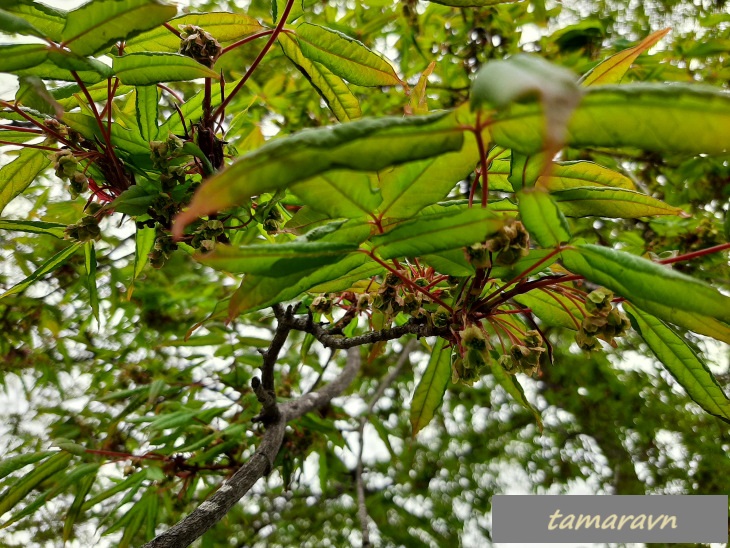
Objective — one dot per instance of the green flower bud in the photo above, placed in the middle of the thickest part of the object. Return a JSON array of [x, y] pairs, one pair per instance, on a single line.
[[598, 302], [473, 337], [586, 342]]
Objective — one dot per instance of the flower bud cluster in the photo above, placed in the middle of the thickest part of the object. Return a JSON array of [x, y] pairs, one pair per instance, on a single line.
[[475, 357], [67, 167], [206, 235], [199, 44], [163, 248], [603, 321], [509, 244], [85, 230], [526, 357]]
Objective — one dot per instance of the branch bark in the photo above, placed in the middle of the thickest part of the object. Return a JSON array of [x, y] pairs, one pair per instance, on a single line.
[[205, 516]]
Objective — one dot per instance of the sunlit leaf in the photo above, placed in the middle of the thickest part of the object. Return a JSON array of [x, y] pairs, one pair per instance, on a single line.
[[34, 227], [95, 25], [610, 202], [333, 90], [613, 69], [542, 217], [17, 175], [20, 489], [147, 99], [225, 27], [50, 21], [143, 69], [340, 193], [565, 175], [345, 56]]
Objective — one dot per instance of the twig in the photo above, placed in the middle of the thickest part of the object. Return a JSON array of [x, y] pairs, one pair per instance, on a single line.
[[362, 510], [205, 516]]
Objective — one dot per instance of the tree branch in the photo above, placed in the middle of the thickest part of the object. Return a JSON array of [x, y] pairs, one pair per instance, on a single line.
[[205, 516], [362, 509]]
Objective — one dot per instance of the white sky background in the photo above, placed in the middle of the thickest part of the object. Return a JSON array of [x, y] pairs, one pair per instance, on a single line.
[[513, 476]]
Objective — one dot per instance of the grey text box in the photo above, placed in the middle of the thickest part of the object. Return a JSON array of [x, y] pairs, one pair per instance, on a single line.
[[606, 518]]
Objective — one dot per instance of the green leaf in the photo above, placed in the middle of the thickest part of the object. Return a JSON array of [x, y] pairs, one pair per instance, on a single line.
[[431, 388], [21, 56], [331, 88], [126, 139], [682, 362], [339, 193], [345, 56], [525, 264], [524, 171], [147, 100], [542, 217], [10, 465], [34, 227], [409, 188], [96, 25], [644, 282], [12, 24], [19, 490], [256, 292], [49, 266], [135, 479], [275, 260], [613, 69], [144, 242], [90, 264], [48, 20], [143, 69], [440, 232], [450, 262], [566, 175], [59, 65], [17, 175], [363, 145], [677, 118], [225, 27], [363, 272], [84, 486], [694, 321], [512, 386], [611, 202], [552, 308], [471, 3], [525, 77]]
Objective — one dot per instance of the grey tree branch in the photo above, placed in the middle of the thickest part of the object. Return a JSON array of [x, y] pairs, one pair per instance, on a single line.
[[362, 509], [195, 524]]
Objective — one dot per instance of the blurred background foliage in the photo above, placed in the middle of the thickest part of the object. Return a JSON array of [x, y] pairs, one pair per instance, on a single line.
[[614, 423]]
